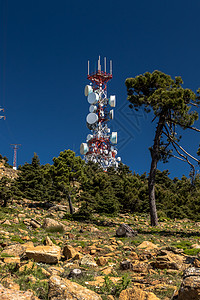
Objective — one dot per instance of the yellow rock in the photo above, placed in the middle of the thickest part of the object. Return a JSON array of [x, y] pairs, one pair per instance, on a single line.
[[147, 245], [56, 270], [100, 280], [11, 260], [10, 294], [102, 261], [136, 293], [8, 283], [46, 254], [120, 243], [62, 288], [107, 271], [134, 255], [70, 252]]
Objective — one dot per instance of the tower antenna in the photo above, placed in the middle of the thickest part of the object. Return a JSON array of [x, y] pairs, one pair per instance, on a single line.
[[111, 67], [88, 67], [100, 146], [15, 147]]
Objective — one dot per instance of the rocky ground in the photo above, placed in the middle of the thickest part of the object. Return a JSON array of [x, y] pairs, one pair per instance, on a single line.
[[44, 255]]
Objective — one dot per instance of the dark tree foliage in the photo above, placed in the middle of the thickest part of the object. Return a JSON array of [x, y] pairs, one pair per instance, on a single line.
[[171, 105], [6, 191], [33, 182], [95, 191], [110, 192]]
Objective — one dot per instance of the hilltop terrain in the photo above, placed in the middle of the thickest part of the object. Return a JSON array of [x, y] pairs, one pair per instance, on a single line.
[[48, 253], [40, 247]]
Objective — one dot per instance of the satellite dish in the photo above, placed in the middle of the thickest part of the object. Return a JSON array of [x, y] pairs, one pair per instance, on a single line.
[[84, 148], [113, 138], [92, 118], [111, 114], [93, 98], [89, 137], [92, 108], [88, 90], [119, 159], [112, 101]]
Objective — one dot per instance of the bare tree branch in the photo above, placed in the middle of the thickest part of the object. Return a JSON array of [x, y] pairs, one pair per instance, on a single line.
[[179, 158], [194, 128], [182, 149], [194, 104], [184, 156]]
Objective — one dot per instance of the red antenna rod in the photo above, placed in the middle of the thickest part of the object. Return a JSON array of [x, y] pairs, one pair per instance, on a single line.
[[15, 147]]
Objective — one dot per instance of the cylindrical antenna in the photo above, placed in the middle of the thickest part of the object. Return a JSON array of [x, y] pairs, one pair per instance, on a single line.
[[88, 67], [111, 67], [105, 64], [99, 64]]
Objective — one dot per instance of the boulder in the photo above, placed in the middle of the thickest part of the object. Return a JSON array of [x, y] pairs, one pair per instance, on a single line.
[[169, 260], [45, 254], [125, 231], [75, 273], [102, 261], [70, 252], [58, 207], [35, 224], [88, 260], [12, 294], [64, 289], [147, 246], [140, 268], [190, 287], [126, 265], [14, 250], [52, 224], [6, 222], [136, 293]]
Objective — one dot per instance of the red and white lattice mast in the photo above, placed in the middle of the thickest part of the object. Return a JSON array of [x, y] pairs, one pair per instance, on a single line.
[[100, 144], [15, 147]]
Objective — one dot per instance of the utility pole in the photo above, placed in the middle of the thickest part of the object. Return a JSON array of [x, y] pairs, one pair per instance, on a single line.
[[15, 147]]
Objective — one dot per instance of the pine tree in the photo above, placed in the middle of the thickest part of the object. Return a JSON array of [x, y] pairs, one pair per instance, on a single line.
[[32, 182], [67, 169], [170, 103]]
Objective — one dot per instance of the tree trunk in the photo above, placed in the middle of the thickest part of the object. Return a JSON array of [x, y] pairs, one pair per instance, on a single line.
[[70, 204], [152, 174]]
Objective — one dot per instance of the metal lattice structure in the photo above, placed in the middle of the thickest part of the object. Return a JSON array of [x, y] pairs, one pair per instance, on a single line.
[[100, 146], [15, 147]]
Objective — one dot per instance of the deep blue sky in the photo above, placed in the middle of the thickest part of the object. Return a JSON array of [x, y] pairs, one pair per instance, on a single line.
[[45, 46]]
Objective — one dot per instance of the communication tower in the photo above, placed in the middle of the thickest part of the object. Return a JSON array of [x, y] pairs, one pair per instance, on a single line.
[[15, 147], [100, 146]]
